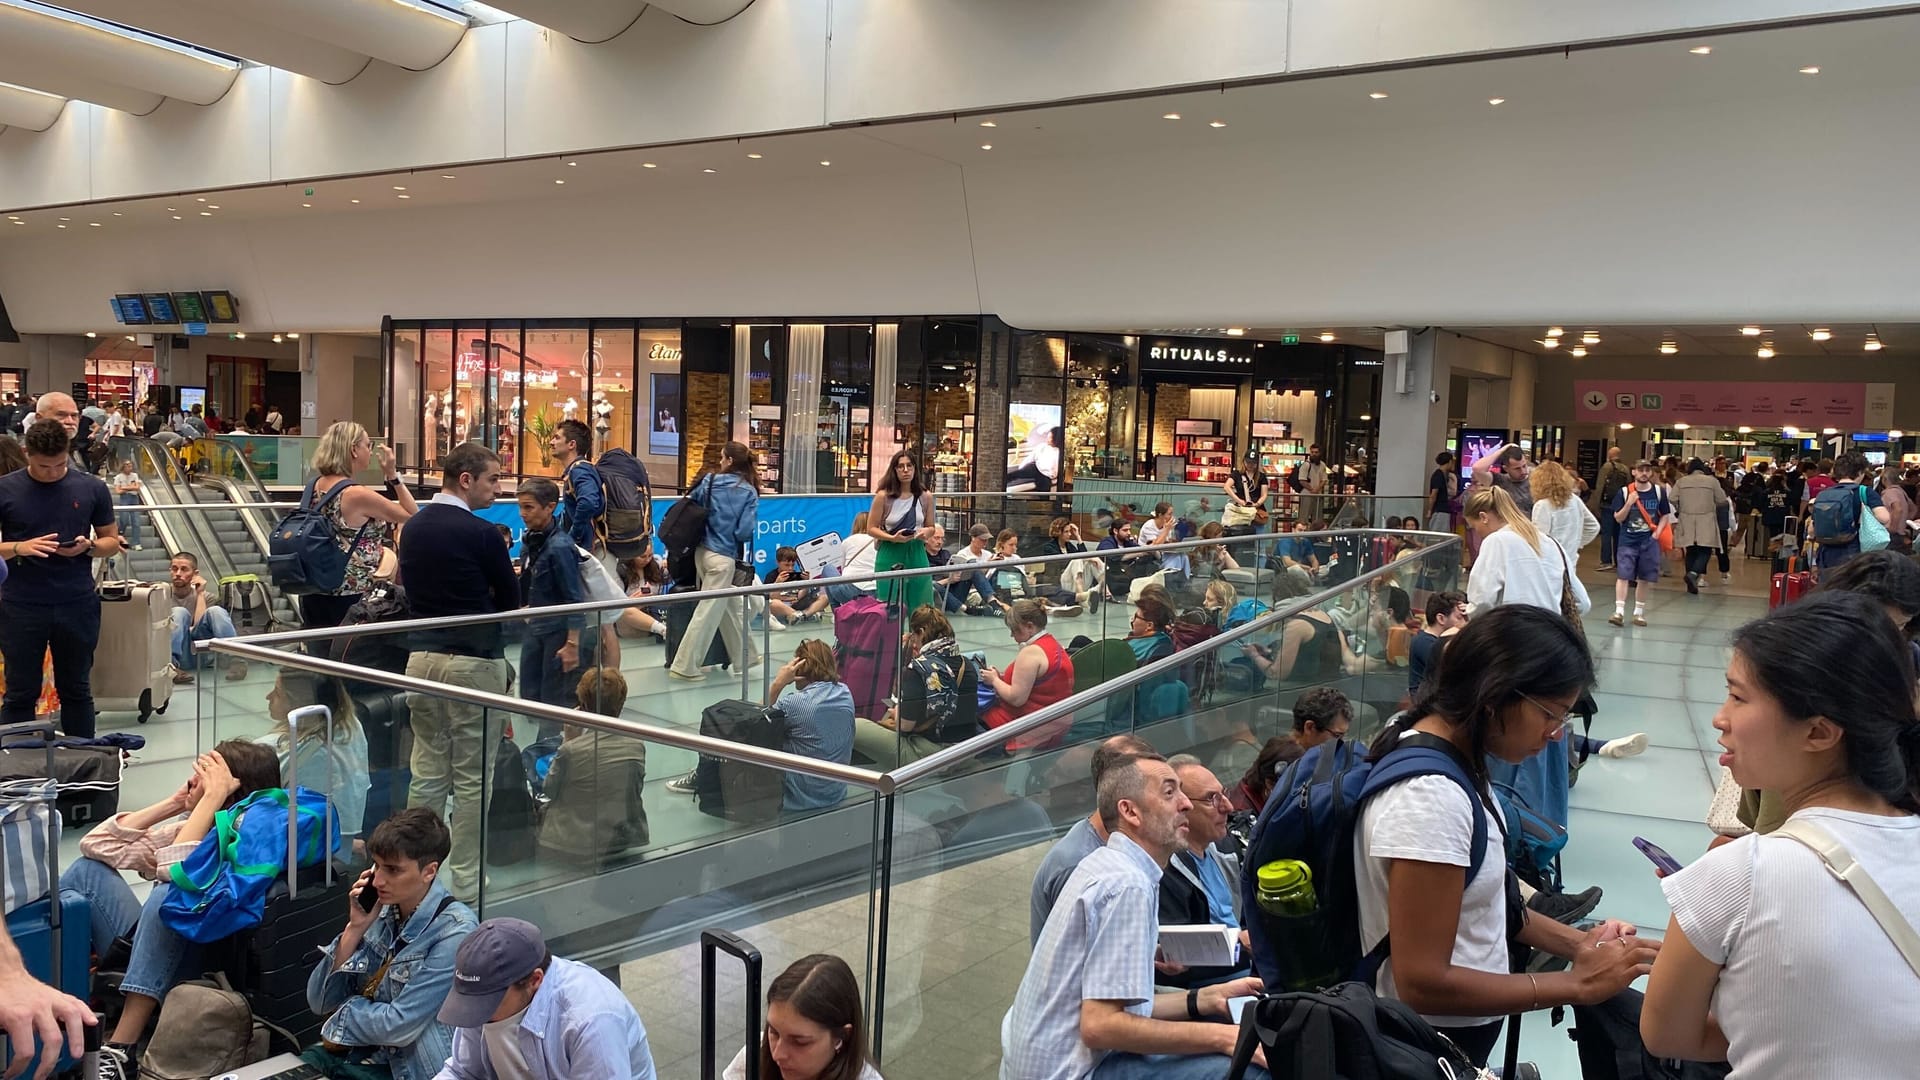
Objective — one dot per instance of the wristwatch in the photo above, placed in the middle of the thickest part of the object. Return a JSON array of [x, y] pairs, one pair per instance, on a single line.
[[1193, 1004]]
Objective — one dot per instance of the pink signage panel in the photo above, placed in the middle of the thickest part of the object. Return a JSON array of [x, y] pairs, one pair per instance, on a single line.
[[1644, 401]]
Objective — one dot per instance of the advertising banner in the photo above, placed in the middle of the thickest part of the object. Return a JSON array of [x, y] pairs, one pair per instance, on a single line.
[[785, 521], [1757, 404]]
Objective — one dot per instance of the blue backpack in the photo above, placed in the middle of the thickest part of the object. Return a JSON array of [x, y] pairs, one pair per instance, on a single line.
[[1836, 516], [1244, 612], [222, 887], [1311, 816], [302, 555]]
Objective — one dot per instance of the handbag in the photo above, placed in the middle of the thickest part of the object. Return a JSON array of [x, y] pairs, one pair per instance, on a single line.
[[1873, 535], [1663, 532], [1569, 604], [1237, 515], [1840, 864]]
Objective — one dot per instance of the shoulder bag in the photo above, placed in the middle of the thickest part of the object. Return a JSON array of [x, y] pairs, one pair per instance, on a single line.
[[1662, 532], [1873, 535], [1840, 864], [1569, 604]]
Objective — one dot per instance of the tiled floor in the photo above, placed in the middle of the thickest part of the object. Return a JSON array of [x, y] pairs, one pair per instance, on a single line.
[[959, 934]]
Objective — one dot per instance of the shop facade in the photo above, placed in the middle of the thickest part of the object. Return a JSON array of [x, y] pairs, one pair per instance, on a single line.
[[826, 403]]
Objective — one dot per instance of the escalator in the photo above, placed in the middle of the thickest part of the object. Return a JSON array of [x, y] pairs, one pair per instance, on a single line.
[[225, 476], [216, 537]]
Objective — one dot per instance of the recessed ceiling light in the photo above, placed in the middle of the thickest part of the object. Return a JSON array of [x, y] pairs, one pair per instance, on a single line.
[[1765, 352], [399, 187], [169, 209], [95, 224], [446, 176], [17, 221], [988, 123], [117, 213], [702, 170], [1378, 95], [1896, 433], [1810, 70], [573, 164], [176, 217], [648, 165], [130, 337], [1626, 425], [1366, 416], [1328, 336], [206, 213], [563, 181], [59, 226], [1750, 331], [1170, 116], [1744, 429], [1829, 431], [1578, 351], [1821, 334], [986, 146], [200, 200], [826, 163], [210, 206], [276, 339], [1589, 338], [307, 205], [1236, 331], [295, 337], [1551, 343], [1701, 50], [1668, 348], [1873, 345], [356, 202], [1554, 331], [1496, 101], [66, 219], [403, 196], [241, 336], [92, 334], [753, 157], [1216, 123]]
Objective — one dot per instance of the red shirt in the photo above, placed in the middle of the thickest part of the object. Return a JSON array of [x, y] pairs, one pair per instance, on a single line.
[[1054, 684], [1818, 484]]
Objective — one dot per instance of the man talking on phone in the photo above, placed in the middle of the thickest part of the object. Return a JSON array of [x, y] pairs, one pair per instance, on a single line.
[[54, 521]]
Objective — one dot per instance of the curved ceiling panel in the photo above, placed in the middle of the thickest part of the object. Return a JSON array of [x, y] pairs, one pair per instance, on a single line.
[[705, 12], [231, 33], [583, 20], [403, 34], [21, 107], [66, 54]]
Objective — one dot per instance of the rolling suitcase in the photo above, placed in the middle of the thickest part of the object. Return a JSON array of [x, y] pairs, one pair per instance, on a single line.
[[1788, 586], [867, 649], [1756, 537], [711, 942], [87, 777], [53, 931], [133, 669], [677, 617]]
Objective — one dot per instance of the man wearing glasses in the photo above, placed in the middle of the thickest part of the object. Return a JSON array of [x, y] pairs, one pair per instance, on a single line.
[[1201, 882]]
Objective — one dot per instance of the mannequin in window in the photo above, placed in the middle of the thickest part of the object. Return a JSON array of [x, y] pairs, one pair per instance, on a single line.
[[432, 440]]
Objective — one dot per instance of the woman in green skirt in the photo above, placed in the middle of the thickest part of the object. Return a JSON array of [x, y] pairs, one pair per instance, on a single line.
[[900, 522]]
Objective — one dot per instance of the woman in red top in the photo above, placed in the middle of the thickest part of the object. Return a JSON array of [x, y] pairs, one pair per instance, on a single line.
[[1041, 674]]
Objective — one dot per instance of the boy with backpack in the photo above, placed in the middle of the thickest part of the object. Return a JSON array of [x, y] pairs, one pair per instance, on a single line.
[[1837, 516], [572, 447], [557, 647]]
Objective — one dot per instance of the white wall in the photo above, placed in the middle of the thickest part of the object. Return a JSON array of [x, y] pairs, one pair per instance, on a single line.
[[514, 89]]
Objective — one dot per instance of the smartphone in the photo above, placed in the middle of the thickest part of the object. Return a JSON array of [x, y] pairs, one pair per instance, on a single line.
[[368, 898], [1657, 855]]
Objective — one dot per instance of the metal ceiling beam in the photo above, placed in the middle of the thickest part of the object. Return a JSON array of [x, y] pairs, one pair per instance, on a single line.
[[407, 35], [77, 57], [582, 20], [31, 109], [231, 33]]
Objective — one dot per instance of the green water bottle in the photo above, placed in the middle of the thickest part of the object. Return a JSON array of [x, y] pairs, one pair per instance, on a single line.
[[1285, 887]]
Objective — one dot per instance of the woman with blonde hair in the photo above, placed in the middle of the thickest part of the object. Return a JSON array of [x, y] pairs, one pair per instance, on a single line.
[[1518, 564], [363, 518], [1557, 509]]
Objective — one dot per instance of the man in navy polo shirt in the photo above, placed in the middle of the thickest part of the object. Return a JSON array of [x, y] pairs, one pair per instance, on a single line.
[[54, 520]]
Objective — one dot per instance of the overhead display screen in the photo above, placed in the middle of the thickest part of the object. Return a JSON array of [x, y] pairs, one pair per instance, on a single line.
[[160, 308], [189, 307], [129, 308], [221, 307]]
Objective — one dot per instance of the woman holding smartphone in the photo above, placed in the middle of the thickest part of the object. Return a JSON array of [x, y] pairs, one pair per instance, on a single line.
[[900, 521]]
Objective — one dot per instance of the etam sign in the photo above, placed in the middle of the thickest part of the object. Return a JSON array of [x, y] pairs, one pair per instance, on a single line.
[[1180, 353]]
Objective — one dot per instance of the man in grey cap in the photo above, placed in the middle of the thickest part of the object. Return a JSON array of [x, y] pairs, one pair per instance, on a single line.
[[521, 1013]]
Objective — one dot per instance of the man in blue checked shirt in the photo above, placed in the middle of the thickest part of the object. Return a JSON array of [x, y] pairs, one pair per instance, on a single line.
[[1087, 1007]]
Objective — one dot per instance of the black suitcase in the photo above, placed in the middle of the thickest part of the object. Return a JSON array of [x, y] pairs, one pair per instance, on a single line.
[[88, 778], [741, 793], [677, 617], [711, 942]]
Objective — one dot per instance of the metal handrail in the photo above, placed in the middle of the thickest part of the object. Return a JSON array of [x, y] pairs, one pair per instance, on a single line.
[[1007, 732], [764, 588], [704, 744]]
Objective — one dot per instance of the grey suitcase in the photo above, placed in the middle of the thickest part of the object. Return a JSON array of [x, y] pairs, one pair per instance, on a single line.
[[133, 667]]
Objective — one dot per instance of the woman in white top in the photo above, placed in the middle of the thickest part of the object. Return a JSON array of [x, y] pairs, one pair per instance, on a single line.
[[1517, 564], [1558, 510], [1772, 963], [814, 1027], [1501, 692], [899, 522], [857, 553]]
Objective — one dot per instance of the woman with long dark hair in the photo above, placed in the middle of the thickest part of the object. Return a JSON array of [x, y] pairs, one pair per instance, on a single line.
[[1819, 710], [814, 1027], [1503, 690], [900, 521], [731, 495]]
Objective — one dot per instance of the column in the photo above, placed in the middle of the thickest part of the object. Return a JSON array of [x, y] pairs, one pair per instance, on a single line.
[[1413, 422]]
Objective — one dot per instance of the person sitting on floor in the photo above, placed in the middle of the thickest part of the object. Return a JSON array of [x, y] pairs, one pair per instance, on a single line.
[[1201, 885], [1041, 674], [194, 619], [819, 710], [377, 1024], [331, 757], [596, 781], [797, 604], [814, 1027], [1087, 836], [939, 703]]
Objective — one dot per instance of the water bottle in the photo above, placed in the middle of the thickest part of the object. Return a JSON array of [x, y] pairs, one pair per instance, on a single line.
[[1285, 887]]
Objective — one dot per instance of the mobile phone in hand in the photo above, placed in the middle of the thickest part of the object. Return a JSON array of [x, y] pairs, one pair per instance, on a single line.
[[1657, 855], [368, 897]]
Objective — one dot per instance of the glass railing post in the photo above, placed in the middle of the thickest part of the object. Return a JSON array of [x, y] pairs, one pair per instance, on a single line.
[[766, 652], [879, 917], [746, 628]]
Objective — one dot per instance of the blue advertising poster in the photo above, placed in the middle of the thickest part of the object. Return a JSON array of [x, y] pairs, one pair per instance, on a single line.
[[785, 520]]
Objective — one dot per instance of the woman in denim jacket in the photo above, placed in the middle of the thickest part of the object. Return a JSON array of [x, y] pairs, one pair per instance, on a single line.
[[732, 498], [381, 983]]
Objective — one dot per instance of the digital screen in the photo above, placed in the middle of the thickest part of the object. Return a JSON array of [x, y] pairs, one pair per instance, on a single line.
[[160, 308], [1476, 443], [191, 396], [221, 307], [131, 309], [189, 307]]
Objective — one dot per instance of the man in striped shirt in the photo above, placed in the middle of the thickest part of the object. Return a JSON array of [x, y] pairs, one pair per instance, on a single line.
[[1087, 1007]]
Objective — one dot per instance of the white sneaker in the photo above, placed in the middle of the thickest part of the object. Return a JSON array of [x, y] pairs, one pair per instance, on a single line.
[[1726, 579], [775, 623], [1626, 746]]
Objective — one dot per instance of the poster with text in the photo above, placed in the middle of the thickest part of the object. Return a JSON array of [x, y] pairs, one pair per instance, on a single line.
[[663, 424]]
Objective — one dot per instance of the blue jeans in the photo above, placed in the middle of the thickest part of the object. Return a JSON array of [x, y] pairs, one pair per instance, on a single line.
[[1124, 1066], [216, 623], [28, 632], [541, 678], [953, 596], [130, 522], [1609, 535], [160, 957]]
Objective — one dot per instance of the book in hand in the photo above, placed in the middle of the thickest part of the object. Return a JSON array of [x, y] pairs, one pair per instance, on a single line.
[[1205, 945]]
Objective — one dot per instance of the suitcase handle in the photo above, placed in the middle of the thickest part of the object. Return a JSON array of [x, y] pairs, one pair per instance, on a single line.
[[711, 942], [294, 718]]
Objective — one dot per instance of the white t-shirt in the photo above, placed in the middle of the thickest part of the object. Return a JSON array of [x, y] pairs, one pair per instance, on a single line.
[[1428, 819], [1508, 571], [1809, 983], [737, 1069], [857, 555], [1173, 560], [503, 1048]]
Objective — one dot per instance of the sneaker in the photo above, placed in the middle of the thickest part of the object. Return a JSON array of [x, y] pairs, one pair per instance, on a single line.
[[975, 609], [1626, 747], [236, 669], [682, 785], [1093, 601], [1693, 583], [1639, 618], [1726, 579], [659, 629], [1068, 611], [116, 1063], [1566, 907], [776, 623], [182, 678], [1605, 566], [1619, 618]]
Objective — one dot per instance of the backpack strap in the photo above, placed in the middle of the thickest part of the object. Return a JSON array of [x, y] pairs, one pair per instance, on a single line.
[[1841, 864]]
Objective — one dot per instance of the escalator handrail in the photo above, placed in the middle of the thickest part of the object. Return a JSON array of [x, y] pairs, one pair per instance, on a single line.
[[167, 472]]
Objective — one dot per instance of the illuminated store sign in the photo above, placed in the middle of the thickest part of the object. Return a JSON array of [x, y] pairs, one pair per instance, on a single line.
[[1196, 354]]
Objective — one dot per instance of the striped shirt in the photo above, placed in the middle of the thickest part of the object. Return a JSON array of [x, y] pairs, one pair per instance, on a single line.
[[1098, 945]]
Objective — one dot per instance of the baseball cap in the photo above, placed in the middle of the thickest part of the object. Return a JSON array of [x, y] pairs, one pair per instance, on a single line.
[[499, 953]]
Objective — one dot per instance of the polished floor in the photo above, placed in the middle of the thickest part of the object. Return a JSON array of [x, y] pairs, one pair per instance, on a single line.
[[959, 934]]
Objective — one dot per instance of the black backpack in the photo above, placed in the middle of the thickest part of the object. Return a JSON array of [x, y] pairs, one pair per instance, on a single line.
[[510, 808], [626, 527], [1608, 1037], [1345, 1032], [682, 530], [303, 558]]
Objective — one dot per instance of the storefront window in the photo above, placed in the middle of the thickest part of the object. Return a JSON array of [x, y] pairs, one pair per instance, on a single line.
[[843, 425], [506, 402], [1035, 433], [610, 412], [659, 399], [767, 397], [1099, 386], [555, 386], [437, 406], [403, 399]]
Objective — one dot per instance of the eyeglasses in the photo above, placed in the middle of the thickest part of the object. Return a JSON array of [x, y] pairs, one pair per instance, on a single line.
[[1216, 799], [1555, 719]]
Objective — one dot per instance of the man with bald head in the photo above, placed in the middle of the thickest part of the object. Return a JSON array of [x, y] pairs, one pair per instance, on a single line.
[[61, 407]]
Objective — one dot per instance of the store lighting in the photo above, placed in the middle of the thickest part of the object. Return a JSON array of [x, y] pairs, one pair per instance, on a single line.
[[1236, 331], [1555, 331], [1328, 336], [1745, 430], [1170, 116], [1821, 334], [1578, 352], [130, 337], [988, 123], [1872, 344], [1810, 70], [1626, 425], [1589, 338], [1765, 352], [92, 334], [1668, 348], [1378, 95], [240, 336], [1750, 331], [1790, 432], [276, 339], [1681, 426], [1701, 50], [1896, 433], [295, 337], [1549, 343], [1829, 431], [1496, 101]]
